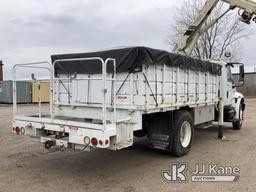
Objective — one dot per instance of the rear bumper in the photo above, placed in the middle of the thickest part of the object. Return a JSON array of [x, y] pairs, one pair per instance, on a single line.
[[65, 134]]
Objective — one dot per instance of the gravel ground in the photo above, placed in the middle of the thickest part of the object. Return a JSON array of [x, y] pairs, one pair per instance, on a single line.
[[27, 166]]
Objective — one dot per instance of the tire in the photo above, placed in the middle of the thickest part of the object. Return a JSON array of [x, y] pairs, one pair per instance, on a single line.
[[237, 125], [182, 133], [140, 133]]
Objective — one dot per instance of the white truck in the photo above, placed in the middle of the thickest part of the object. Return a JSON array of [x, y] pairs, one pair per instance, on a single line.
[[104, 99]]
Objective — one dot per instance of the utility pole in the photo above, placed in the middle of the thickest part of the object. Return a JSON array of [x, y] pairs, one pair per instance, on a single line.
[[1, 71]]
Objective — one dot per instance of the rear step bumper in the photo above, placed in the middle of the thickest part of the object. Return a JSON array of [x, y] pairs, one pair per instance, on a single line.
[[66, 134], [73, 134]]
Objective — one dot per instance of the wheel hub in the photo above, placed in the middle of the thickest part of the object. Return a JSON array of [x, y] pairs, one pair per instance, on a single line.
[[185, 134]]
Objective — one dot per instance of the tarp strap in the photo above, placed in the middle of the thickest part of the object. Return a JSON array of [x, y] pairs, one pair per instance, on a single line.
[[67, 90], [123, 83], [150, 88]]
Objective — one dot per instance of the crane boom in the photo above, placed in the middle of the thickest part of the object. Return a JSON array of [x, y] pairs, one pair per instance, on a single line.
[[195, 30]]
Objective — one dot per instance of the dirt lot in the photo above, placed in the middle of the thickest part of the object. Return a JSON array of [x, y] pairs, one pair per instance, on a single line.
[[27, 166]]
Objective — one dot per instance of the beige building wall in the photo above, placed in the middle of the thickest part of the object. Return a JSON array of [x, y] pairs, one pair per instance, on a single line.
[[45, 92]]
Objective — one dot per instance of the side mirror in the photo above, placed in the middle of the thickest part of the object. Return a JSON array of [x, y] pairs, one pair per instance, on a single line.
[[241, 71], [241, 75], [238, 81]]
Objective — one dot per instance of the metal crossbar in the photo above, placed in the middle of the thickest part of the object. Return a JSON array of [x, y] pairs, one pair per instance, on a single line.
[[51, 69]]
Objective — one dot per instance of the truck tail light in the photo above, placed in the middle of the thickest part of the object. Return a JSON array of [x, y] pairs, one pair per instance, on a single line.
[[94, 141], [101, 142], [106, 142], [17, 129]]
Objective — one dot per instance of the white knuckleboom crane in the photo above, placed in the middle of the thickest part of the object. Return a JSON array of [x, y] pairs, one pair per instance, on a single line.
[[247, 11], [231, 101]]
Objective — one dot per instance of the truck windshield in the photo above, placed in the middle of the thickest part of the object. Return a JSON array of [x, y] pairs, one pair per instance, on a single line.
[[229, 74]]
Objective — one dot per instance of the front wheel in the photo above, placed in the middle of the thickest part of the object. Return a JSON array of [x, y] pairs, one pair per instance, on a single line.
[[182, 133], [237, 124]]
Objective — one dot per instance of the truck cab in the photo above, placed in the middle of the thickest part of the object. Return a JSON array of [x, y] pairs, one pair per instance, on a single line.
[[234, 102]]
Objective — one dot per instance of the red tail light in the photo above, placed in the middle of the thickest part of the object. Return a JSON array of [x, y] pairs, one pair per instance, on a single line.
[[17, 129], [106, 142], [101, 142], [94, 141]]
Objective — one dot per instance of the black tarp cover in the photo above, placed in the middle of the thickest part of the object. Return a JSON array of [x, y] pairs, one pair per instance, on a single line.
[[129, 60]]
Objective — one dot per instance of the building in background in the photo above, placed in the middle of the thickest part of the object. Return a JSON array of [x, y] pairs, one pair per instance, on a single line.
[[42, 91], [24, 92], [249, 88]]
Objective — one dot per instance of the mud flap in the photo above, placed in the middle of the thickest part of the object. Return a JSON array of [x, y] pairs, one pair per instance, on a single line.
[[159, 130]]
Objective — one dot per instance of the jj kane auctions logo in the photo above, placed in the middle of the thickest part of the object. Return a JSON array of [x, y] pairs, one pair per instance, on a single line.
[[177, 172]]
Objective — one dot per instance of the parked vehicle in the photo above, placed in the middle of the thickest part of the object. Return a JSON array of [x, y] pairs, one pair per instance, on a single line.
[[103, 99]]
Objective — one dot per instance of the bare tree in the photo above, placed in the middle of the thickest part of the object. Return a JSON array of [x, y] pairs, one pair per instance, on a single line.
[[223, 36]]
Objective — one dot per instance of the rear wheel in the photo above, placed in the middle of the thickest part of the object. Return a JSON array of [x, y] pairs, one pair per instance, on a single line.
[[237, 125], [182, 133], [140, 133]]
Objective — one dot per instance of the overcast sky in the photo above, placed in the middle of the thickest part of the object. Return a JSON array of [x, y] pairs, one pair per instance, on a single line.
[[32, 30]]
